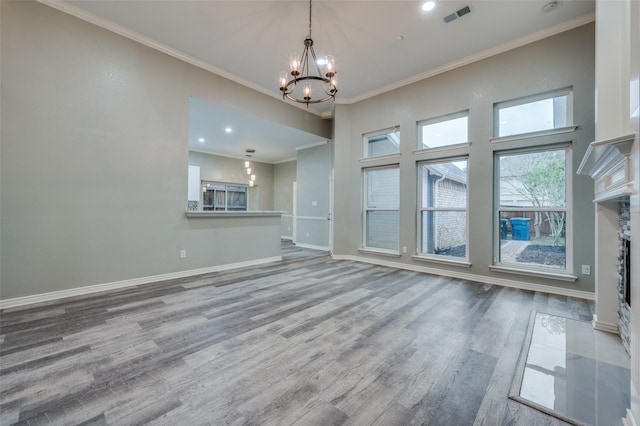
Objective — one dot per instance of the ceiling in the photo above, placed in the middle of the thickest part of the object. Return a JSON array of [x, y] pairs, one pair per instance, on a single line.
[[378, 45], [218, 129]]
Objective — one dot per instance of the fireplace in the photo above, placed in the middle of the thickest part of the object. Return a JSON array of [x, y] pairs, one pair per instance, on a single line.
[[626, 284], [624, 272]]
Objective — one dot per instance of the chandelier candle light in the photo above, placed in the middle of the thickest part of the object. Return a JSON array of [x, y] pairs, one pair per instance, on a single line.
[[300, 70], [252, 180]]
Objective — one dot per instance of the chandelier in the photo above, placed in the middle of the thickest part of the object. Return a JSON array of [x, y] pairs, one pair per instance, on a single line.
[[310, 78]]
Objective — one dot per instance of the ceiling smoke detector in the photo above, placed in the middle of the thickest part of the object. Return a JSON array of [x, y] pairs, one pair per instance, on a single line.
[[457, 14]]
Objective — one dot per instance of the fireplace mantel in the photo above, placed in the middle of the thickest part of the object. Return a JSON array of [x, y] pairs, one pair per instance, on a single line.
[[608, 162]]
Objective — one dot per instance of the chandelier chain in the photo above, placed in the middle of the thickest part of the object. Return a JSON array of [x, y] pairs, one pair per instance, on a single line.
[[309, 18]]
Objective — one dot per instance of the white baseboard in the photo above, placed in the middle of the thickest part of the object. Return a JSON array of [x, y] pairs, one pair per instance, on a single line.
[[473, 277], [311, 246], [605, 326], [629, 420], [79, 291]]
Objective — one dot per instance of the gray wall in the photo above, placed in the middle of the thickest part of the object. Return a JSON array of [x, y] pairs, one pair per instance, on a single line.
[[283, 177], [560, 61], [231, 170], [94, 157], [313, 174]]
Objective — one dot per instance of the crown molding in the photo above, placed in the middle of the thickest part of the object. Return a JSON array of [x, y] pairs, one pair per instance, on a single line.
[[286, 160], [539, 35], [70, 9], [82, 14], [311, 145], [235, 157]]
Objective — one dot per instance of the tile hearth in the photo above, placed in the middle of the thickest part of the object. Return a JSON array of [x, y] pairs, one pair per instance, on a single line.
[[575, 372]]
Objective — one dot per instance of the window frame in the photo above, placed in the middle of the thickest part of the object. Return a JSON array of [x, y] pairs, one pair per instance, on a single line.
[[367, 136], [568, 209], [419, 211], [206, 183], [366, 209], [440, 119], [568, 91]]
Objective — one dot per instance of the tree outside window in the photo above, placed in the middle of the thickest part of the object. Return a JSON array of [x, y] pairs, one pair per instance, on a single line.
[[533, 208]]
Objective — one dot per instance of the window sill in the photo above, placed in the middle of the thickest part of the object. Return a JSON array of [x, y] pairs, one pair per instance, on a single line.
[[387, 159], [389, 253], [530, 135], [233, 214], [561, 276], [444, 261], [441, 148]]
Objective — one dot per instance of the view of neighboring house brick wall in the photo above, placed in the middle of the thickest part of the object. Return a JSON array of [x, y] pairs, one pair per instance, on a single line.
[[450, 226]]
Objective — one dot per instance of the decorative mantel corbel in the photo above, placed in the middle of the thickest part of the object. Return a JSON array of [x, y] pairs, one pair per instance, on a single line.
[[608, 162]]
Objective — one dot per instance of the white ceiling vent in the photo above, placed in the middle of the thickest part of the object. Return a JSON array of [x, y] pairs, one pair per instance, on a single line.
[[457, 14]]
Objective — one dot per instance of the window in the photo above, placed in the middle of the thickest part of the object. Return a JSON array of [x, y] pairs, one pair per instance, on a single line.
[[380, 143], [542, 112], [443, 131], [382, 201], [223, 197], [533, 208], [442, 215]]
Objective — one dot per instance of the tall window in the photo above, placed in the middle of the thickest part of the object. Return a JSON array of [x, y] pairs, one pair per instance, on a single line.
[[384, 142], [533, 209], [443, 208], [536, 113], [382, 201], [223, 197], [443, 131]]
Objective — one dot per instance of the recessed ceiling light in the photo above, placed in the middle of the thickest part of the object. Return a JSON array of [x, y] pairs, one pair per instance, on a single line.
[[201, 140], [228, 129], [427, 6]]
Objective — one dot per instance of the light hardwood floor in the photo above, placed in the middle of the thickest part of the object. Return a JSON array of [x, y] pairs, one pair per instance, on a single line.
[[307, 341]]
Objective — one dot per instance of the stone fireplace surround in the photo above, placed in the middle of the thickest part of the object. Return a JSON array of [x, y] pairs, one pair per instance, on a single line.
[[608, 162], [624, 238]]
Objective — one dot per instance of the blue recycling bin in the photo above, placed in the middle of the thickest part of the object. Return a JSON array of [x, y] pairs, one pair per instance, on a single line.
[[520, 228], [503, 229]]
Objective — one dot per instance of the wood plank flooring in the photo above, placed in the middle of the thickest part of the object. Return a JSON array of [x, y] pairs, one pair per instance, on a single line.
[[305, 341]]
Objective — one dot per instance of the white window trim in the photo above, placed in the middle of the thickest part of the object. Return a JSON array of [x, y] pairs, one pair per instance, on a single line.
[[226, 199], [365, 209], [440, 149], [464, 261], [539, 97], [445, 260], [532, 270], [382, 160], [440, 119], [367, 136], [536, 134], [530, 99]]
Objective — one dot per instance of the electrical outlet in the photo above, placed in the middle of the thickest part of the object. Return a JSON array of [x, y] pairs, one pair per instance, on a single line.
[[307, 235], [404, 249], [586, 269], [183, 254]]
